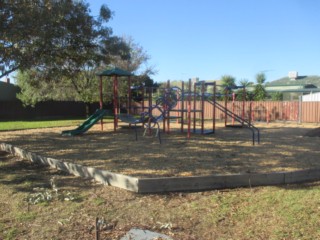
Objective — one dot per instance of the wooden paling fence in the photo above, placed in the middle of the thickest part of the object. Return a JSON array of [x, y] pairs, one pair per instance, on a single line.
[[304, 112]]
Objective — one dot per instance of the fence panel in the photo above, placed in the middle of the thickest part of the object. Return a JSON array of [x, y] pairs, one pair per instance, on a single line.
[[261, 111], [14, 110], [310, 112]]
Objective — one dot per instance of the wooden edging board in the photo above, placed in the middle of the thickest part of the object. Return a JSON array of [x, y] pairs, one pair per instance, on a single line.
[[105, 177], [170, 184]]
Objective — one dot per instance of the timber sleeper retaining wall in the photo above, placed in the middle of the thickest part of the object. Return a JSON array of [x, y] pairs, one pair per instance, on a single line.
[[169, 184]]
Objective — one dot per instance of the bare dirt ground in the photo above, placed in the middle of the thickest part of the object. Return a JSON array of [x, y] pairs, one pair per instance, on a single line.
[[283, 147]]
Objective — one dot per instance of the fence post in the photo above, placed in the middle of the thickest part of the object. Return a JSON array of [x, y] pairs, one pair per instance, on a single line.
[[300, 109]]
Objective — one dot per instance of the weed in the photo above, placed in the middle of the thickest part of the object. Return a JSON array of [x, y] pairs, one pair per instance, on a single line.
[[25, 217], [99, 201], [10, 234]]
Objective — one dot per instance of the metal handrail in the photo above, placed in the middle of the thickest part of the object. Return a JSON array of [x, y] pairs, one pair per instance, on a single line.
[[239, 119]]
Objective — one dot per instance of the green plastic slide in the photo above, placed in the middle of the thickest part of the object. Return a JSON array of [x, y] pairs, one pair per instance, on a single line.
[[87, 124]]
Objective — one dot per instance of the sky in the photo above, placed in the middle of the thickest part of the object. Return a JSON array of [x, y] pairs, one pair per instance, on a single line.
[[211, 38]]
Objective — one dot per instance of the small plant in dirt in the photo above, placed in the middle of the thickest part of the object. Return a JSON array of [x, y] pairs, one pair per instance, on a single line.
[[99, 201], [10, 234], [45, 195], [42, 195]]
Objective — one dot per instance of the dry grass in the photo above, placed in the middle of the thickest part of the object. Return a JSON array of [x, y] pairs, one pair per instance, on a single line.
[[282, 212]]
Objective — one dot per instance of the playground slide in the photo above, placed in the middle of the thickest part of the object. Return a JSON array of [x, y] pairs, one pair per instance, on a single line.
[[87, 124]]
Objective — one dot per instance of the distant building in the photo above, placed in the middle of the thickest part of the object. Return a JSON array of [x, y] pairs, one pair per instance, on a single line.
[[312, 97], [294, 86], [8, 91]]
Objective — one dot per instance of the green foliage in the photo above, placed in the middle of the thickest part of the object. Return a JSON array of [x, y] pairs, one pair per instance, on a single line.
[[18, 125], [39, 197], [45, 196], [11, 234], [260, 92], [277, 96], [228, 81], [242, 95], [260, 78], [136, 56], [71, 54], [52, 36], [99, 201], [58, 47], [26, 216], [244, 83], [35, 89]]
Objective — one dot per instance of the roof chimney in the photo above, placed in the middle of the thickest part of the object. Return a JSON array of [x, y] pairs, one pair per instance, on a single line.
[[293, 75]]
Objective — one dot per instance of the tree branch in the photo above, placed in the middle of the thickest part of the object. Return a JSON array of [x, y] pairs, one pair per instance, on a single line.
[[5, 73]]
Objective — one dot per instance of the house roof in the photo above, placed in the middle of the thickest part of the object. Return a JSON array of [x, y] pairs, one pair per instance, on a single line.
[[114, 72], [300, 81], [303, 90]]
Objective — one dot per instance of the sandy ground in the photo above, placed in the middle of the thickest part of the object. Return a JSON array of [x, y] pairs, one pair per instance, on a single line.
[[283, 147]]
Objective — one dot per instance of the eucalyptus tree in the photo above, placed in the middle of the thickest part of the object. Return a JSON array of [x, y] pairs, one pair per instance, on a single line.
[[54, 36], [55, 45]]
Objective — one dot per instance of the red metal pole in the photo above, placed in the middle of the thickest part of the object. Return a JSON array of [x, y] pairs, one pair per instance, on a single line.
[[101, 102], [202, 108], [129, 96], [225, 105], [194, 106], [115, 105], [168, 108], [182, 106], [142, 95], [233, 99], [243, 104], [252, 111], [149, 96], [214, 107], [189, 109]]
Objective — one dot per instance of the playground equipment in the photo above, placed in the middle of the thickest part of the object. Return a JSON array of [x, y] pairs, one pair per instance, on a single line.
[[114, 73], [173, 104], [190, 106], [87, 124], [180, 104], [147, 119]]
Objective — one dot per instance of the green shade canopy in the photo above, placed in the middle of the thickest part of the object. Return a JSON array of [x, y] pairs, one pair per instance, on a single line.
[[114, 72]]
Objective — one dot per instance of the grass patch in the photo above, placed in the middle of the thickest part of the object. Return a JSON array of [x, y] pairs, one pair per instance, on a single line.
[[25, 217], [10, 234], [34, 124], [18, 125], [99, 201]]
